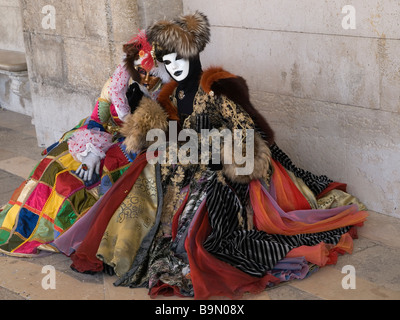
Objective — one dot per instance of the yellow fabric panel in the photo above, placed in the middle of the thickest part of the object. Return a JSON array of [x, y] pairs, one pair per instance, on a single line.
[[52, 205], [69, 162], [12, 214]]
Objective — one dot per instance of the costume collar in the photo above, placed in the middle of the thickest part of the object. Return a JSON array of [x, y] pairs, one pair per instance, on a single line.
[[208, 78]]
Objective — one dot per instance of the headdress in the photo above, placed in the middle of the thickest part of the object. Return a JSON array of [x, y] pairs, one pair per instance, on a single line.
[[187, 35], [144, 49], [140, 48]]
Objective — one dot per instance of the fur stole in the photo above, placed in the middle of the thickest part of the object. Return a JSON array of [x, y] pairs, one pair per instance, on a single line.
[[165, 100], [148, 115], [235, 88]]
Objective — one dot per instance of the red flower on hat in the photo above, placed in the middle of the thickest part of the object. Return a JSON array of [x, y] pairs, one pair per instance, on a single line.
[[140, 41]]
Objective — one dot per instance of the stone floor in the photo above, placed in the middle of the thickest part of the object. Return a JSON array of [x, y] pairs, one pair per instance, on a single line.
[[376, 256]]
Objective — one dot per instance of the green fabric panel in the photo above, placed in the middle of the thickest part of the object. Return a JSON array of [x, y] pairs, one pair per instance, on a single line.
[[82, 200], [44, 231], [4, 235], [115, 175], [14, 242], [104, 111], [49, 176], [60, 149], [66, 217]]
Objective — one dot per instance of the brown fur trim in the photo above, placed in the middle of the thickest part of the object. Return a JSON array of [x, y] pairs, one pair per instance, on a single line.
[[132, 54], [262, 162], [165, 101], [148, 115], [235, 88], [211, 75]]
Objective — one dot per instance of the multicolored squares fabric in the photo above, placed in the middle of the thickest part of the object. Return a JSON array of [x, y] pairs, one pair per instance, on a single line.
[[53, 199]]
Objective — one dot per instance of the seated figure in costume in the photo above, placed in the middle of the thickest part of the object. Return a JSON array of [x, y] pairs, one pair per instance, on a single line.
[[201, 229], [82, 166]]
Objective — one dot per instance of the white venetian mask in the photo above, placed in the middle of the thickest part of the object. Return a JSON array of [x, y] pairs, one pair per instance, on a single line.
[[177, 67]]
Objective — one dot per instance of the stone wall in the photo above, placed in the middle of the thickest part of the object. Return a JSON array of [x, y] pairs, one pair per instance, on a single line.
[[69, 61], [11, 37], [14, 84], [332, 94], [72, 47]]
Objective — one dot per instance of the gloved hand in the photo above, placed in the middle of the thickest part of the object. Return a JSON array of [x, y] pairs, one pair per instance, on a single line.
[[90, 165], [134, 96]]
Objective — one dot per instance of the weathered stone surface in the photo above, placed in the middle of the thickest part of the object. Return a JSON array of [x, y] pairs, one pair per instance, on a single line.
[[151, 11], [15, 92], [11, 26], [42, 49], [381, 267], [374, 18], [89, 63], [59, 110], [389, 66], [33, 16], [124, 19], [95, 16], [318, 67]]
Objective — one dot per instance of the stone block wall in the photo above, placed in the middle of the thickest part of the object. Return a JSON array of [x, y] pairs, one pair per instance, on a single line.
[[332, 94], [11, 37], [70, 59], [14, 86], [72, 47]]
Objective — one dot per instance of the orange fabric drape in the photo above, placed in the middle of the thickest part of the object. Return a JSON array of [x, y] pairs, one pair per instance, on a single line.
[[323, 254], [288, 195], [266, 209]]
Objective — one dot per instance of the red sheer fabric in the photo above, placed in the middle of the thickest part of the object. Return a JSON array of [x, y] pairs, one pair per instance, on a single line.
[[84, 259]]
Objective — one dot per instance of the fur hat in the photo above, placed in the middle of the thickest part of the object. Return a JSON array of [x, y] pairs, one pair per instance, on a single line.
[[187, 35]]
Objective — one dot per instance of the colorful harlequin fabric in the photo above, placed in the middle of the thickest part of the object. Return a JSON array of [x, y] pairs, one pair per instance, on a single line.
[[53, 199]]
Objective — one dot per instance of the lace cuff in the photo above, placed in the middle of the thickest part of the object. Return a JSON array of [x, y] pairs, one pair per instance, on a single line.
[[88, 141]]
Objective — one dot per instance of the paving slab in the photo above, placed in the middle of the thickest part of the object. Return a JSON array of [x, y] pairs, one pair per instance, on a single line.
[[327, 284], [19, 166]]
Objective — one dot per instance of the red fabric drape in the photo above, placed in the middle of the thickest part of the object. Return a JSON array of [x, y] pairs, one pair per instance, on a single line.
[[84, 259]]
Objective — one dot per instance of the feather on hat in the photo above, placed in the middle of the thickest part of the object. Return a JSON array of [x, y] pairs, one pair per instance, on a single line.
[[187, 35], [140, 49]]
